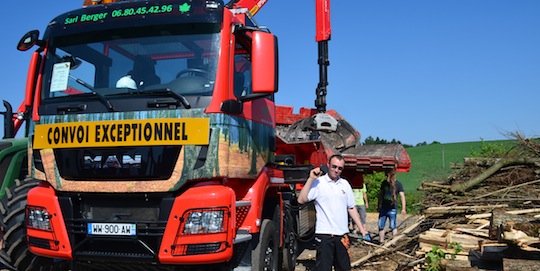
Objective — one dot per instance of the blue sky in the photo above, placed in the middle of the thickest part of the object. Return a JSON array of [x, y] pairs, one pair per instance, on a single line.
[[415, 70]]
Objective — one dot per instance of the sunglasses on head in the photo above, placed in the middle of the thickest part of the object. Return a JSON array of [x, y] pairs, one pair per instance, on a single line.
[[339, 168]]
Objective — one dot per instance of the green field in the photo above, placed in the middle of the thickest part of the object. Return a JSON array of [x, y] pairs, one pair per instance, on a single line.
[[433, 162]]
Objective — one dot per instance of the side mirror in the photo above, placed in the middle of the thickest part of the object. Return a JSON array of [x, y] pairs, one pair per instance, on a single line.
[[232, 107], [28, 40], [264, 50]]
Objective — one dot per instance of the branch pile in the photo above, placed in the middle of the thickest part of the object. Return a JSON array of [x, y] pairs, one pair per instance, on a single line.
[[490, 206], [484, 216], [514, 176]]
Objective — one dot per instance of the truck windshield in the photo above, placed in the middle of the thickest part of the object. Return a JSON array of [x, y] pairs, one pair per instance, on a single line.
[[182, 59]]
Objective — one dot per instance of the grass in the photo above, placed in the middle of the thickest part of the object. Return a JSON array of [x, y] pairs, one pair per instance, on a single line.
[[433, 162]]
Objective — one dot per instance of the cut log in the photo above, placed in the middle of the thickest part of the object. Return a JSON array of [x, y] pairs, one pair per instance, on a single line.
[[460, 263], [524, 211], [515, 212], [441, 210], [504, 221], [474, 232], [443, 238], [520, 265], [521, 239]]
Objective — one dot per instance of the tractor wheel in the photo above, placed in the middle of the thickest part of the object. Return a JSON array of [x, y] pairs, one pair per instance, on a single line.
[[15, 254], [265, 256]]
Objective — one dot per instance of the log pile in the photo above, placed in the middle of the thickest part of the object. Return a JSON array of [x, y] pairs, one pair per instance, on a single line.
[[484, 216]]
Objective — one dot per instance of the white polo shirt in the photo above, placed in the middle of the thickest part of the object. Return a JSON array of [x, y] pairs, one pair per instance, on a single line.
[[332, 201]]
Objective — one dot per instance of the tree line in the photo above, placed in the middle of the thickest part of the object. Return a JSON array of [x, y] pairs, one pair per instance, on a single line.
[[370, 140]]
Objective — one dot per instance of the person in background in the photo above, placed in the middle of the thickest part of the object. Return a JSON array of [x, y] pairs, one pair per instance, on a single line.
[[387, 205], [334, 203], [360, 196]]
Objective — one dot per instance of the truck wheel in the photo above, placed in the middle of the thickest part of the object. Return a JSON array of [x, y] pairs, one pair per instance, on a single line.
[[265, 255], [290, 252], [15, 251], [290, 244]]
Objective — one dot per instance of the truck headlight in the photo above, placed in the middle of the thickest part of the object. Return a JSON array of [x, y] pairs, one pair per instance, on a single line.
[[38, 218], [203, 221]]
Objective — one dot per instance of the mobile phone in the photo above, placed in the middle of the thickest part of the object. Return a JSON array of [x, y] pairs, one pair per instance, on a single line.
[[324, 169]]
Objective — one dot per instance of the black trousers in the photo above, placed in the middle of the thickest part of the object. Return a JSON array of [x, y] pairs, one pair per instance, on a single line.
[[332, 250]]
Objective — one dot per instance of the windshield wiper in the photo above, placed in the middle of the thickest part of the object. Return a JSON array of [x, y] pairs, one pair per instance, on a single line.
[[83, 83], [90, 94], [104, 100], [156, 103]]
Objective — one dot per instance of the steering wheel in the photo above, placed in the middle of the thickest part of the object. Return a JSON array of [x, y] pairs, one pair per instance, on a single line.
[[192, 72]]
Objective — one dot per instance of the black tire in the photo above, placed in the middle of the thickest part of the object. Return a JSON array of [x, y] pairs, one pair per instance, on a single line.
[[289, 253], [265, 256], [15, 251]]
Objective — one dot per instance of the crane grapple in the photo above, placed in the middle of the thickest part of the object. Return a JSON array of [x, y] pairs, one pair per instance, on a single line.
[[301, 136]]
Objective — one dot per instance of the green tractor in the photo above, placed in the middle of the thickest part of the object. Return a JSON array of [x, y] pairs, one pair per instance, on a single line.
[[14, 253], [14, 165]]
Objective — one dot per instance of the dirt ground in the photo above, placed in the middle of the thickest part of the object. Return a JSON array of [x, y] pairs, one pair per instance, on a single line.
[[306, 260]]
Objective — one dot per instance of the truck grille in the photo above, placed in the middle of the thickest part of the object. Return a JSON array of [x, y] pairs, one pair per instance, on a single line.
[[149, 214]]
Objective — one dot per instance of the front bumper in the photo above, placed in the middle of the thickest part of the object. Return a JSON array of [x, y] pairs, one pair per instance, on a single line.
[[159, 220]]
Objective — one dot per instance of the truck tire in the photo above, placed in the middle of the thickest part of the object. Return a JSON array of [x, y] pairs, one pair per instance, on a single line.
[[289, 253], [265, 255], [15, 251]]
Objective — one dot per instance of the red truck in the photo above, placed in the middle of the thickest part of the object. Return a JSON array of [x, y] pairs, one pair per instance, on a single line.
[[154, 142]]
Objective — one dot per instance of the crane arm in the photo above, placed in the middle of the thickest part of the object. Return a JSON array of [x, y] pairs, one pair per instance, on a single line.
[[323, 33], [322, 16]]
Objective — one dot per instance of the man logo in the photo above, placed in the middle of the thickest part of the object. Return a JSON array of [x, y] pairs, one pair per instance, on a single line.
[[112, 161]]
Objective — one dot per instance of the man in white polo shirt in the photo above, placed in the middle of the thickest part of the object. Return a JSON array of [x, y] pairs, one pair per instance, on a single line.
[[334, 202]]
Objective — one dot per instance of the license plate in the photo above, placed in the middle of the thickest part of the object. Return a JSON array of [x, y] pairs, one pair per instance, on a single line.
[[112, 229]]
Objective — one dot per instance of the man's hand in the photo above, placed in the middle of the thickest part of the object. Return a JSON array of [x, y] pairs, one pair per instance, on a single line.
[[315, 173], [403, 211], [363, 232]]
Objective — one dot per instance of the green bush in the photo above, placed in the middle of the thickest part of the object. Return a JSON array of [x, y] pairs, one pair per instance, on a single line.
[[436, 255], [492, 150], [373, 185]]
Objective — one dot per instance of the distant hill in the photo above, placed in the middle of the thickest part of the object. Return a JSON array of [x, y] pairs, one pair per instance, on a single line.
[[433, 162]]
